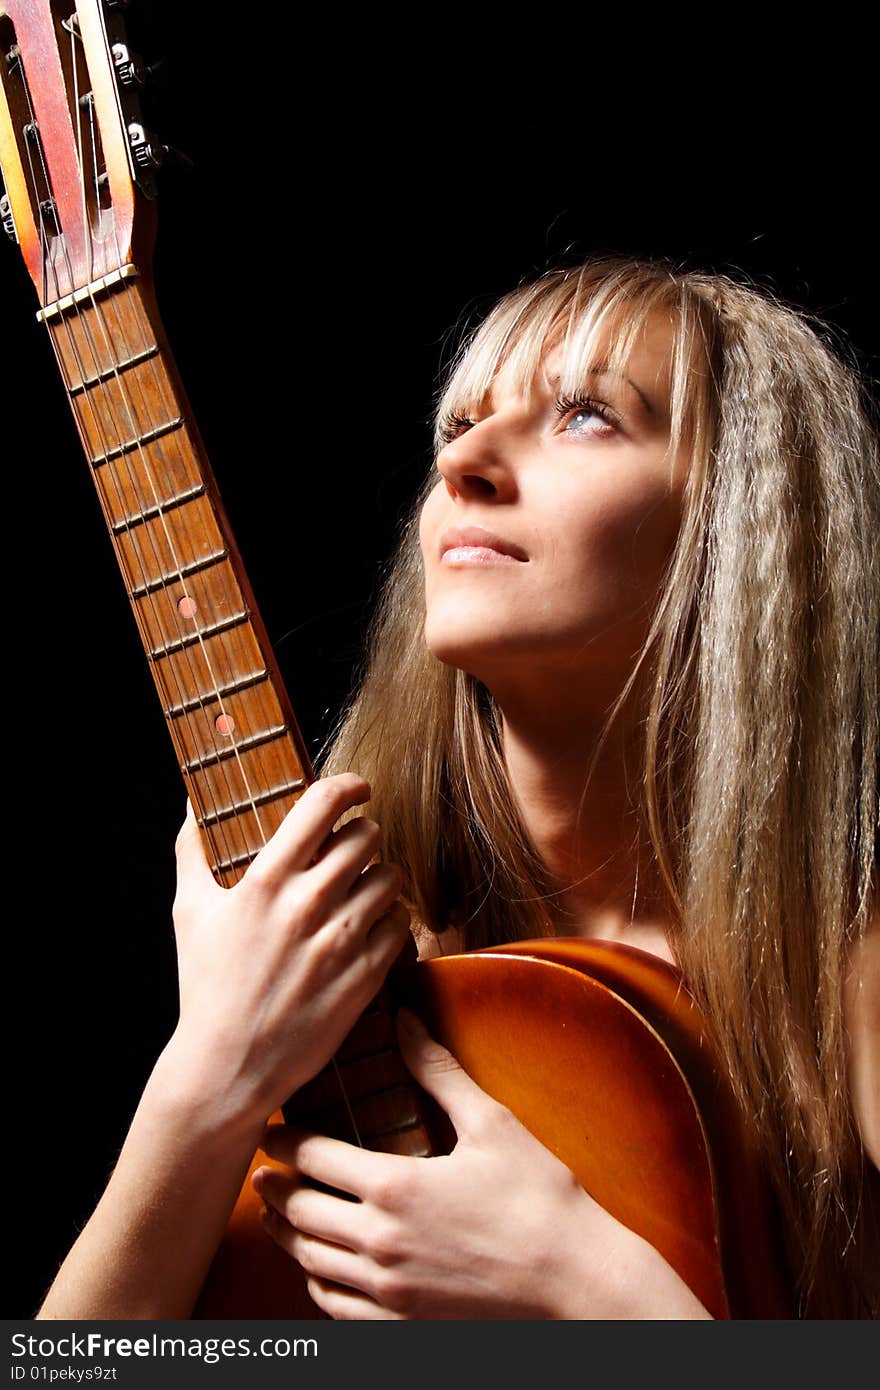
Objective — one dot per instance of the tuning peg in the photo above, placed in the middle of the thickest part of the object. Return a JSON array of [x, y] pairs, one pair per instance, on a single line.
[[130, 68], [149, 154], [7, 219]]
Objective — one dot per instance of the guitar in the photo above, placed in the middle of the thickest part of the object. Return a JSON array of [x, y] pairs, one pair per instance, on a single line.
[[626, 1092]]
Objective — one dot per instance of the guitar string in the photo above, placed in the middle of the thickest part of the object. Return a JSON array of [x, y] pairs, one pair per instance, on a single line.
[[338, 1077], [235, 637], [48, 266], [222, 823], [170, 666], [100, 433], [134, 532]]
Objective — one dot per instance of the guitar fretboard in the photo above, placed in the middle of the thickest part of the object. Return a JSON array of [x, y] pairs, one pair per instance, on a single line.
[[237, 742]]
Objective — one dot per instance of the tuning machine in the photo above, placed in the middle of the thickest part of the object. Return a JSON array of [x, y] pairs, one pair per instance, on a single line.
[[6, 218], [150, 155], [131, 71]]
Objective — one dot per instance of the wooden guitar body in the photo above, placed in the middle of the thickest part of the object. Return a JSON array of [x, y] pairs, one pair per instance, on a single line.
[[599, 1052]]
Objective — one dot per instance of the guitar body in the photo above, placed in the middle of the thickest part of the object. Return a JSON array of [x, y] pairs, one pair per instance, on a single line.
[[599, 1052]]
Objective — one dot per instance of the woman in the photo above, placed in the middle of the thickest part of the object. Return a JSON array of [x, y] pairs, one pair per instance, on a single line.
[[623, 683]]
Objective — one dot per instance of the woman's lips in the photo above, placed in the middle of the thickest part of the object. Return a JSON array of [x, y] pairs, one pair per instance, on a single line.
[[472, 545], [476, 555]]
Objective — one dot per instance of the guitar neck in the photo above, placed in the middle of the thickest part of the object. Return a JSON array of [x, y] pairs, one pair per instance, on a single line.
[[77, 165], [238, 745]]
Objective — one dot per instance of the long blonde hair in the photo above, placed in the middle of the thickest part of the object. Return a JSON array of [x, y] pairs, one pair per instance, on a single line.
[[760, 786]]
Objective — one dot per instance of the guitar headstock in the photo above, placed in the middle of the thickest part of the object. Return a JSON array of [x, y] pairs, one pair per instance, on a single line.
[[78, 165]]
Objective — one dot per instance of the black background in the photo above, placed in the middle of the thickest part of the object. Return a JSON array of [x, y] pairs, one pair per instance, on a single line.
[[356, 192]]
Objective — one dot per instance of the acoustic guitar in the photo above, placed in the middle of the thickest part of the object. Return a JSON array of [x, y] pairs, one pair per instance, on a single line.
[[596, 1048]]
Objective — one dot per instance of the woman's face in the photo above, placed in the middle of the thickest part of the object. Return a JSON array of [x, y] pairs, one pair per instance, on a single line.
[[588, 507]]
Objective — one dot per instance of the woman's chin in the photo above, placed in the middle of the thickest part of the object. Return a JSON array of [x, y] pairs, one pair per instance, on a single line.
[[480, 650]]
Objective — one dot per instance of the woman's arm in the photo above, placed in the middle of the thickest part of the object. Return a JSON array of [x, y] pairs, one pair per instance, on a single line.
[[146, 1249], [862, 1014], [273, 973]]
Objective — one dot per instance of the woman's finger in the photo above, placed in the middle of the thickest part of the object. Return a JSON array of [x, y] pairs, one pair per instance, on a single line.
[[347, 1305], [307, 825], [435, 1068], [373, 895], [321, 1258], [386, 938], [315, 1213], [331, 1161], [346, 856]]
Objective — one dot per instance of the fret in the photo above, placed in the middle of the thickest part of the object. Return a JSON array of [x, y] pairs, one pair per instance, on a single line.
[[179, 499], [235, 861], [233, 843], [389, 1111], [128, 446], [113, 370], [208, 697], [409, 1143], [370, 1084], [372, 1073], [99, 335], [238, 808], [135, 483], [168, 648], [369, 1136], [394, 1100], [94, 290], [209, 729], [125, 408], [163, 581], [191, 673], [237, 781], [190, 543], [406, 1135], [220, 755]]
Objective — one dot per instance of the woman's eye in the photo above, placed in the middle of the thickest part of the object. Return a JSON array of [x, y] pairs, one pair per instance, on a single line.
[[452, 426], [581, 412]]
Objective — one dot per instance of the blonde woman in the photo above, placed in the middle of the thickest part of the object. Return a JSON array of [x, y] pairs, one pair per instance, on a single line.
[[624, 683]]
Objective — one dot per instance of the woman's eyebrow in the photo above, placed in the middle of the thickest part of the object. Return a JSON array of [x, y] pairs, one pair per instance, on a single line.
[[555, 379]]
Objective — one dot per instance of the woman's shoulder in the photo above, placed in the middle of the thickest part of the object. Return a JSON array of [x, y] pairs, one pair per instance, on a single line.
[[861, 1004]]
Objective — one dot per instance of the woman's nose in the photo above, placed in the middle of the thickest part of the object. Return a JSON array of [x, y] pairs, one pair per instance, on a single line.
[[477, 465]]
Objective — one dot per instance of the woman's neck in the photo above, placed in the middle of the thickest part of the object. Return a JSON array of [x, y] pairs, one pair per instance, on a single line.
[[592, 839]]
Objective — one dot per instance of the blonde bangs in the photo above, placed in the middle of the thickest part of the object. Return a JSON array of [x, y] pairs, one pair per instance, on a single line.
[[597, 314]]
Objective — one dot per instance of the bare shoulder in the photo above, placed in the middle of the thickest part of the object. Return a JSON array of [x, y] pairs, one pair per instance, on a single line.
[[861, 1004]]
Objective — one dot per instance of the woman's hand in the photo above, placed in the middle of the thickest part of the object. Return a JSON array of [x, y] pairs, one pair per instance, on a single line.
[[275, 971], [499, 1228]]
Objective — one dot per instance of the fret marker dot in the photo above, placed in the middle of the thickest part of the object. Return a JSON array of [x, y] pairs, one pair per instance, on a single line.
[[187, 606], [224, 724]]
